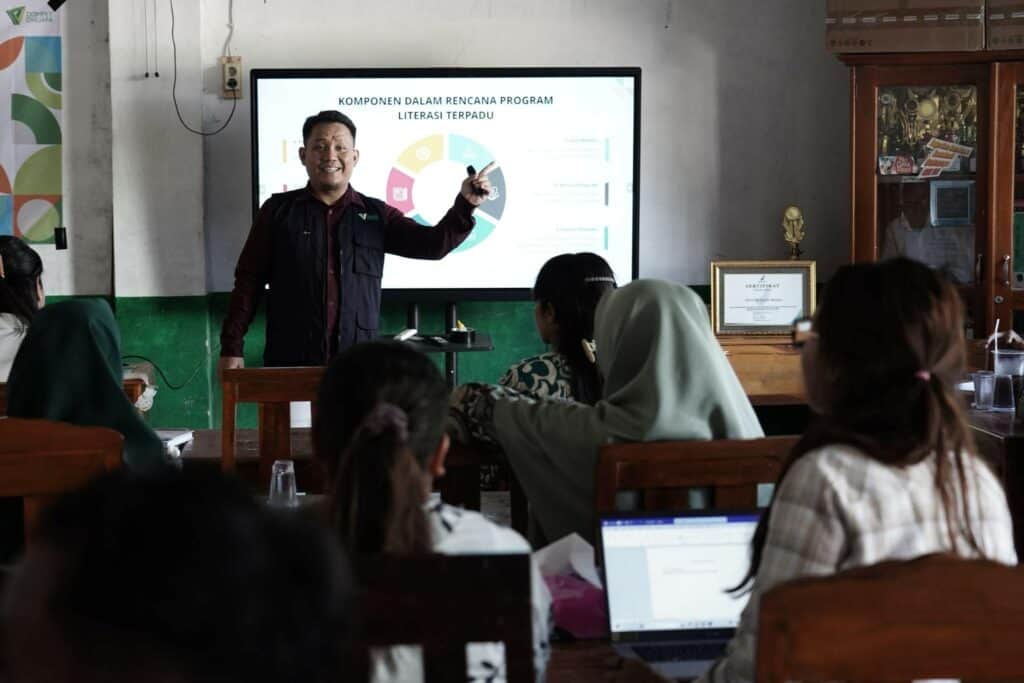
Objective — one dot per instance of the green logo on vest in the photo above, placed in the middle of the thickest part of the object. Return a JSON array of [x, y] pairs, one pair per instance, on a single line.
[[16, 14], [368, 217]]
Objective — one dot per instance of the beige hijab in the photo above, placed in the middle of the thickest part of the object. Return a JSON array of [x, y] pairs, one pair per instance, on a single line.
[[666, 378]]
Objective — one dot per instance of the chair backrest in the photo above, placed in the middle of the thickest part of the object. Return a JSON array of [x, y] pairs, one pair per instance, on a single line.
[[443, 602], [40, 459], [933, 617], [273, 389], [3, 398], [662, 470]]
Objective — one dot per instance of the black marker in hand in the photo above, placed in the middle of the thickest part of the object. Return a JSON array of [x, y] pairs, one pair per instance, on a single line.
[[476, 188]]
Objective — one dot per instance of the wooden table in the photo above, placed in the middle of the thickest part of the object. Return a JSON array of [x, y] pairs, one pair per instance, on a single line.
[[590, 661], [1000, 438], [460, 486]]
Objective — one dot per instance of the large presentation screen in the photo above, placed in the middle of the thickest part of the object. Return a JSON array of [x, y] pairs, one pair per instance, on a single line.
[[565, 143]]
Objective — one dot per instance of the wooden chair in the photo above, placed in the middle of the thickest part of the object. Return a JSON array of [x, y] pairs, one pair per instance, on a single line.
[[933, 617], [273, 389], [40, 459], [443, 602], [661, 470]]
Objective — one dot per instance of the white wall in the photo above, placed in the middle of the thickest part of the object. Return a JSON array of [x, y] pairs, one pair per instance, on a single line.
[[743, 111], [157, 164], [85, 268]]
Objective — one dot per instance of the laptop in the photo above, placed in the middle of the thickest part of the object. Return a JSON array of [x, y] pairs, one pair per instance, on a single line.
[[666, 577]]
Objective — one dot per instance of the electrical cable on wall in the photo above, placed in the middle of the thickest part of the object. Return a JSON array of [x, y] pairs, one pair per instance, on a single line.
[[174, 86], [159, 371], [145, 33], [156, 41]]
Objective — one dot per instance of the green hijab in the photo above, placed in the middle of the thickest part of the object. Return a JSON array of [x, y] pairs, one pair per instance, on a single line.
[[69, 369], [666, 378]]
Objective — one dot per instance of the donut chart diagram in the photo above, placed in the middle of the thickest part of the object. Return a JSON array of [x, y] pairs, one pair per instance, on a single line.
[[440, 147]]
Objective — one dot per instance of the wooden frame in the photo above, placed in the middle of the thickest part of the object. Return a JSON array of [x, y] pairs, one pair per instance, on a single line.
[[721, 269]]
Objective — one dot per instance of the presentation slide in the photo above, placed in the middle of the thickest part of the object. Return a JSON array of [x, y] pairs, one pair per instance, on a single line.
[[563, 145]]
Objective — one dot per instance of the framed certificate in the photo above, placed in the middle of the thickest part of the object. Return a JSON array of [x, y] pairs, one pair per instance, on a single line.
[[760, 297]]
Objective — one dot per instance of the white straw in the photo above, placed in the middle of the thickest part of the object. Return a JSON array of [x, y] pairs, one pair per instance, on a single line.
[[995, 340]]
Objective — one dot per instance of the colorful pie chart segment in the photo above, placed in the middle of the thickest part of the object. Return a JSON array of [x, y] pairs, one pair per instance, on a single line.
[[465, 152]]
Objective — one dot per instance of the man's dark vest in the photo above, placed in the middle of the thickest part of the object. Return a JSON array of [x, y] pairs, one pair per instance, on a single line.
[[296, 300]]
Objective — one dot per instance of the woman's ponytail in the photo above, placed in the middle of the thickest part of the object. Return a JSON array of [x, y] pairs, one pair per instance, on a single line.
[[373, 510]]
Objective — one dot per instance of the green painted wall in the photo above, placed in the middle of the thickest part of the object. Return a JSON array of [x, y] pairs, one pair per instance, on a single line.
[[181, 335]]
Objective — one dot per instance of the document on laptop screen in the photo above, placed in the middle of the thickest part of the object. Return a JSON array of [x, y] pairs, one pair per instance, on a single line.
[[674, 573]]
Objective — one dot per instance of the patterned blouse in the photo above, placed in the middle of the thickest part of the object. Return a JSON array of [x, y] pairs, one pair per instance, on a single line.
[[545, 376]]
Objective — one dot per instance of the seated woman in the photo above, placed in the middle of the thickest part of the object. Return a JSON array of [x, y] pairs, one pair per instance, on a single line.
[[21, 295], [566, 294], [69, 369], [665, 377], [380, 434], [888, 469]]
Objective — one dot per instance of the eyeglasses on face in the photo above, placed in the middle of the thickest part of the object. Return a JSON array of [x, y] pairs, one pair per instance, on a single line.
[[802, 331]]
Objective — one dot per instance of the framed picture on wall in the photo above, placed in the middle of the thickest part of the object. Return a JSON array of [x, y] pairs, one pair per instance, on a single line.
[[760, 297]]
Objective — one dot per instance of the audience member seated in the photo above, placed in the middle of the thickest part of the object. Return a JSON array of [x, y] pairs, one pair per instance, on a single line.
[[887, 470], [176, 578], [21, 295], [565, 296], [665, 378], [69, 369], [380, 434]]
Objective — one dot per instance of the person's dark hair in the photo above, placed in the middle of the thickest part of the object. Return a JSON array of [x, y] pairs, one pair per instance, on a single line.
[[380, 416], [327, 116], [890, 341], [188, 573], [22, 269], [572, 284]]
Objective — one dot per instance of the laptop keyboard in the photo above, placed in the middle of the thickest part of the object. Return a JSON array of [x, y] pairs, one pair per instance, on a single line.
[[679, 651]]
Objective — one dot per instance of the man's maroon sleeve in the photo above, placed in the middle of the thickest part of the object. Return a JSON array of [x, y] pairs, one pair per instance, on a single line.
[[405, 237], [251, 276]]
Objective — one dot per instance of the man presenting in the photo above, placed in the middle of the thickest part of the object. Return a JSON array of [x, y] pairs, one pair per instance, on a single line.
[[321, 249]]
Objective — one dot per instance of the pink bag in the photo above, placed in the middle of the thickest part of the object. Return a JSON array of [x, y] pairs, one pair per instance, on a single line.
[[578, 606]]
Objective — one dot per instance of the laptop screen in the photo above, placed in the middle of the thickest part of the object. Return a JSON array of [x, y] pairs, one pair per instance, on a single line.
[[670, 573]]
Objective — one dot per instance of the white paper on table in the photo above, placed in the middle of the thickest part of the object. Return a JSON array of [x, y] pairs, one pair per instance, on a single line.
[[568, 554]]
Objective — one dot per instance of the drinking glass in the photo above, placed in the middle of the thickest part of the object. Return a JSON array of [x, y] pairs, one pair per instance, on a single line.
[[282, 484], [1002, 394], [984, 388]]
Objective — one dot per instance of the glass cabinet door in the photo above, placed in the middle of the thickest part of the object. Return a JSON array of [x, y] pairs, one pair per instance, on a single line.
[[927, 167], [920, 149]]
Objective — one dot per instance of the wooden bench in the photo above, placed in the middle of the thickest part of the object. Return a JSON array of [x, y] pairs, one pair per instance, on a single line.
[[40, 459], [934, 617]]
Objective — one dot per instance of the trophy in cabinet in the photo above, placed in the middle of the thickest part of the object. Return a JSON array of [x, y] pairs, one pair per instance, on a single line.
[[793, 230]]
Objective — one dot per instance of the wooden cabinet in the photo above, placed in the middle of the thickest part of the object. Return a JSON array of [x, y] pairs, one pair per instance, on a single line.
[[905, 109]]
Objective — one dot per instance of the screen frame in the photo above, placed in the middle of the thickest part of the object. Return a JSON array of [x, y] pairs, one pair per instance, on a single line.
[[456, 294], [939, 186]]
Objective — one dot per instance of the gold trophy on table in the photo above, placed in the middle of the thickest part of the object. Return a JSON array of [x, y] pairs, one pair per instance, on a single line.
[[793, 230]]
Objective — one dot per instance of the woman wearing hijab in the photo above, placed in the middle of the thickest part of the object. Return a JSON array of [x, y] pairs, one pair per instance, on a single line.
[[69, 369], [665, 378]]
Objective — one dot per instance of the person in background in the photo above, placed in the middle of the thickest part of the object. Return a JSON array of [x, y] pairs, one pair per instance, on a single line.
[[69, 369], [888, 469], [380, 434], [176, 578], [565, 295], [21, 295], [665, 378], [321, 251]]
